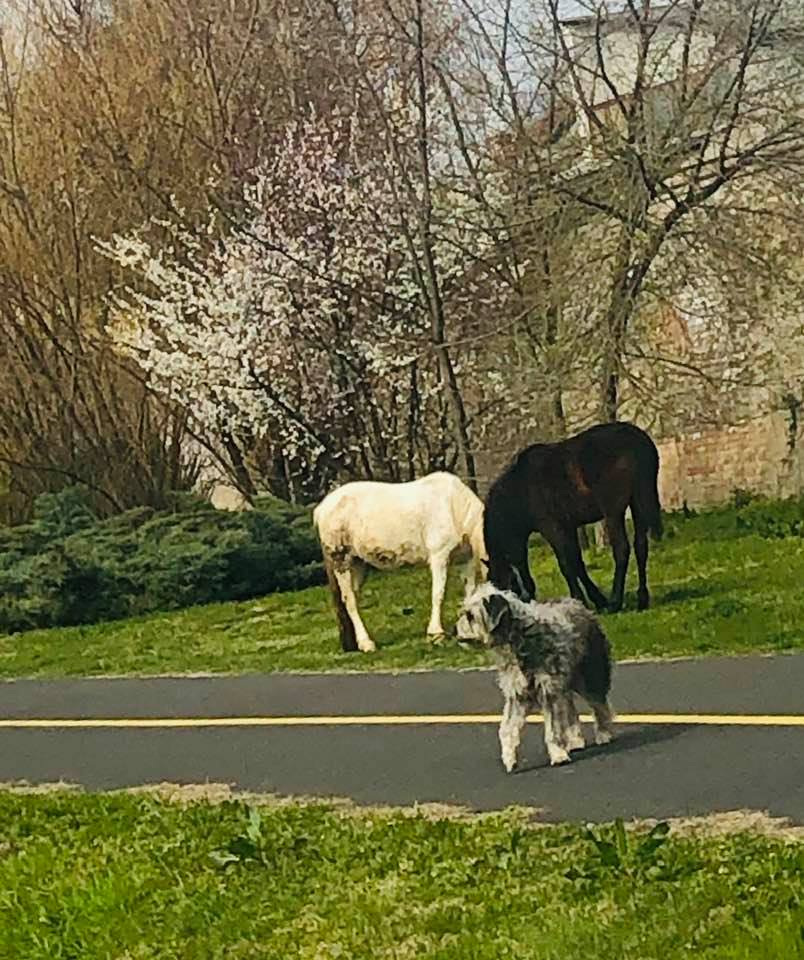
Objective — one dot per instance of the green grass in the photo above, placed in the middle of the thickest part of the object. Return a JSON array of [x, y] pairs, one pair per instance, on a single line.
[[732, 595], [124, 876]]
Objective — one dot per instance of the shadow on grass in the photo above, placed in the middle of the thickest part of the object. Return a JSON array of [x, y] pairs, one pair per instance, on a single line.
[[696, 591], [633, 739]]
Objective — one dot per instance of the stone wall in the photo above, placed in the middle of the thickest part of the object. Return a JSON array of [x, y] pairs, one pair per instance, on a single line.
[[704, 468]]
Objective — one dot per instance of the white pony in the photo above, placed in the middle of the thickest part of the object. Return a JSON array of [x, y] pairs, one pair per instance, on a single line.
[[434, 520]]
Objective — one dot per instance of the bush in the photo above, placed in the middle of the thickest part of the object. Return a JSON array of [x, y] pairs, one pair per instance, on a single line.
[[746, 515], [68, 567], [773, 519]]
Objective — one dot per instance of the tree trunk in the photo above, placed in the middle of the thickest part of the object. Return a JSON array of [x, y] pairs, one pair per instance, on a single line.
[[615, 327], [239, 469], [630, 272], [430, 274]]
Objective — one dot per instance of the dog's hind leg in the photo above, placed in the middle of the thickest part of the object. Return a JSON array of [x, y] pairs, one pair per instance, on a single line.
[[592, 681], [556, 720], [515, 715], [604, 725], [574, 739]]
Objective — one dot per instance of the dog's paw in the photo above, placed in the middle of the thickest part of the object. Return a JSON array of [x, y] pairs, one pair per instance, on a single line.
[[603, 737], [509, 763], [576, 743], [559, 756]]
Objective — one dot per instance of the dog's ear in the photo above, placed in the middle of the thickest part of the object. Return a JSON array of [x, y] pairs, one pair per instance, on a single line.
[[499, 614], [519, 586]]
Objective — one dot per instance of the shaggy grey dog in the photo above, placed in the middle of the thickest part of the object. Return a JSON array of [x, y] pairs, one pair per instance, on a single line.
[[545, 652]]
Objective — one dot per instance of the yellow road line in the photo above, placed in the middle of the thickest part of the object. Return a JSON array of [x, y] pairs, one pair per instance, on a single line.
[[696, 719]]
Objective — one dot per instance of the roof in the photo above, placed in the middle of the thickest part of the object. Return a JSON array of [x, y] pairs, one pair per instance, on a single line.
[[786, 30], [670, 13]]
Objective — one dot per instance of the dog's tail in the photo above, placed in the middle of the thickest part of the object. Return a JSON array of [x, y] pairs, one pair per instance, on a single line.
[[595, 665]]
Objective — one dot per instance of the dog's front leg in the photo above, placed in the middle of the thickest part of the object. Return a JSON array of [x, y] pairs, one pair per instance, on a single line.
[[515, 715]]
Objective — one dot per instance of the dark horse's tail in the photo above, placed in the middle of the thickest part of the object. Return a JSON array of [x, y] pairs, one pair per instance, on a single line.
[[646, 495], [345, 626]]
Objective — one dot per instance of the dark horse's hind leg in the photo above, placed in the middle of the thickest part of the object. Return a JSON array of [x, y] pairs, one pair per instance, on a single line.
[[570, 559], [641, 552], [621, 550]]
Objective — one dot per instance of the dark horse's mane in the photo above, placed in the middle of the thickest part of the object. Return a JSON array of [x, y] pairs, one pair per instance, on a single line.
[[500, 502], [554, 488]]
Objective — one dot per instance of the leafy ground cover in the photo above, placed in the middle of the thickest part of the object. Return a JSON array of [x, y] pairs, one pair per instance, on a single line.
[[133, 876], [69, 567], [715, 590]]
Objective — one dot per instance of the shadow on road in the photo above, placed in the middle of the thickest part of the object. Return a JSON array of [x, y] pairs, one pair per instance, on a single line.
[[632, 739]]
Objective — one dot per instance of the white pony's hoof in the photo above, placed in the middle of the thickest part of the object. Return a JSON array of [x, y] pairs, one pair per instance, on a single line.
[[367, 646]]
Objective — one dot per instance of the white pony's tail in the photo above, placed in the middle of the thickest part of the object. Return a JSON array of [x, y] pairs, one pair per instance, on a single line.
[[479, 555], [345, 626]]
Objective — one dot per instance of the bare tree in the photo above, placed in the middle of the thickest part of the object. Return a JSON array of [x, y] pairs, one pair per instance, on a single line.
[[112, 113], [679, 105]]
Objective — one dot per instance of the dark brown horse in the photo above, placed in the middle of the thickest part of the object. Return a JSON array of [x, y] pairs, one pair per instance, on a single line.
[[553, 488]]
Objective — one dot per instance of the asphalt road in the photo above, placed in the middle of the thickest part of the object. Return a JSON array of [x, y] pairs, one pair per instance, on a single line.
[[686, 760]]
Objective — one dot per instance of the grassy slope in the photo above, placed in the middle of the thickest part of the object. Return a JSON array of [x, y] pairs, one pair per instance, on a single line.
[[131, 877], [709, 596]]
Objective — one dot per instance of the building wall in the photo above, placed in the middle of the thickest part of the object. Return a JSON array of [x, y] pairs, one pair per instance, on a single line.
[[620, 43]]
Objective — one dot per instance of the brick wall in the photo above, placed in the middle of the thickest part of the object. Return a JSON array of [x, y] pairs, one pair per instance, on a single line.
[[704, 468]]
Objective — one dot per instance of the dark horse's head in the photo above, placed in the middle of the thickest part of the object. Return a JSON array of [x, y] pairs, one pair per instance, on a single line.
[[506, 539], [507, 575]]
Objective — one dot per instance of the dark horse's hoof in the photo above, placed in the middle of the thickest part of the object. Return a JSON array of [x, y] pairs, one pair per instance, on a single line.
[[599, 601], [643, 601]]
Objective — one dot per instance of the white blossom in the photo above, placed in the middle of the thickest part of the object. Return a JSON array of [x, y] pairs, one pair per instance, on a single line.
[[309, 311]]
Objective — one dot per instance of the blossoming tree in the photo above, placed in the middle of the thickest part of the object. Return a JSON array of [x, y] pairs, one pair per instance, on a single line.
[[302, 323]]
